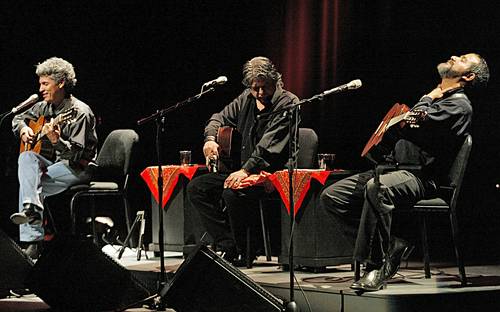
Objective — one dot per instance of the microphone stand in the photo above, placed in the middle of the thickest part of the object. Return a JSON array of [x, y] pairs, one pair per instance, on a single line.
[[292, 112], [159, 117], [292, 165], [3, 116]]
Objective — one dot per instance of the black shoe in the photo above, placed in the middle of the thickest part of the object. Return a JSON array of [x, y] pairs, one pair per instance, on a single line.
[[399, 250], [30, 214], [367, 268], [237, 259], [370, 281], [34, 250]]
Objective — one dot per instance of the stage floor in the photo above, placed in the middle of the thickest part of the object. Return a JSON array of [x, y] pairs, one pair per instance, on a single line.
[[329, 290]]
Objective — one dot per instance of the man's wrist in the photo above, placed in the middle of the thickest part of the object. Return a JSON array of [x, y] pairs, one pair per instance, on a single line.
[[209, 138]]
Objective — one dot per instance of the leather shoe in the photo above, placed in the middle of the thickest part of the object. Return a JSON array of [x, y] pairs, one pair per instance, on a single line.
[[370, 281], [399, 250], [30, 214], [238, 260]]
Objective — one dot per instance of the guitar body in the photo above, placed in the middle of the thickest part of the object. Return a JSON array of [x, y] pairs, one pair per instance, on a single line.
[[229, 140], [41, 144], [392, 117]]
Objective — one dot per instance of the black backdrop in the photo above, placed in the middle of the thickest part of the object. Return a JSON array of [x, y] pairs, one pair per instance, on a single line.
[[132, 59]]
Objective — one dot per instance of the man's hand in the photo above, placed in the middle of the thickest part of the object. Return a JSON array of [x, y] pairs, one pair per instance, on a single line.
[[235, 178], [52, 132], [27, 135], [438, 93], [210, 149]]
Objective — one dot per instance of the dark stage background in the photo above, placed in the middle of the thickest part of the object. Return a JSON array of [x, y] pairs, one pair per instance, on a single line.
[[132, 59]]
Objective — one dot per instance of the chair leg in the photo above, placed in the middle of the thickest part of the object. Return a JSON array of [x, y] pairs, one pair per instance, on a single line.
[[92, 220], [249, 259], [457, 245], [72, 212], [127, 211], [425, 246], [265, 233], [51, 218]]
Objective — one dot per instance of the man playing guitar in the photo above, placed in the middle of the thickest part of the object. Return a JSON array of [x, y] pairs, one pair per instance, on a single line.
[[432, 146], [263, 147], [73, 145]]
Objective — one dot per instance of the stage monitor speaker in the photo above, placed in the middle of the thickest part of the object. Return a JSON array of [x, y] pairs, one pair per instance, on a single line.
[[206, 282], [14, 265], [75, 275]]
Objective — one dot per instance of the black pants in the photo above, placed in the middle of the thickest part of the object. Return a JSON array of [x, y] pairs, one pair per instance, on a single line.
[[225, 213], [359, 198]]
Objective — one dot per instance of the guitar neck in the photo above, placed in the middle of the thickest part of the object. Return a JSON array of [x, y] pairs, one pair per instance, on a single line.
[[396, 120], [56, 121]]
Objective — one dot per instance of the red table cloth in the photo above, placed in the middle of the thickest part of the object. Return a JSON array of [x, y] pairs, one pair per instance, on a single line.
[[301, 184], [170, 175]]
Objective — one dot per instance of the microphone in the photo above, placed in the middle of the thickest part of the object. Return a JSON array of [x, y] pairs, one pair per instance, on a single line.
[[26, 103], [212, 163], [348, 86], [219, 81]]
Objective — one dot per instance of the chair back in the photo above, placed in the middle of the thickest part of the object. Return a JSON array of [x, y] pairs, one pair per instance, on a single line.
[[308, 149], [458, 167], [116, 152]]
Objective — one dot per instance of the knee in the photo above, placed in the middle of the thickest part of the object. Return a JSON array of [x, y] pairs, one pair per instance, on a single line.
[[191, 188], [373, 193], [25, 157], [330, 200], [371, 190], [229, 196], [194, 190], [379, 196]]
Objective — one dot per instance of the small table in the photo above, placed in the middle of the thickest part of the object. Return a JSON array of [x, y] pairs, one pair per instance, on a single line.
[[180, 226], [318, 242]]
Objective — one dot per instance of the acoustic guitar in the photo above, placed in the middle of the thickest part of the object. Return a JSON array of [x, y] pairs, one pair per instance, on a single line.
[[41, 143], [229, 160], [399, 114]]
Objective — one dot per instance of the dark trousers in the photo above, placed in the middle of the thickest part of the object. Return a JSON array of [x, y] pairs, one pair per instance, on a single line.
[[225, 213], [359, 198]]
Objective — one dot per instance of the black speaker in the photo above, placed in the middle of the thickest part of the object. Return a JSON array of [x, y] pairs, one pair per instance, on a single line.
[[14, 265], [75, 275], [206, 282]]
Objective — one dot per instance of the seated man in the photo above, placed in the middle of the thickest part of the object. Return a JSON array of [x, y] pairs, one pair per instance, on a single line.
[[264, 147], [432, 146], [71, 147]]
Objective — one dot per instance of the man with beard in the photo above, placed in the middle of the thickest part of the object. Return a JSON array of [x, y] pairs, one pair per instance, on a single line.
[[432, 146]]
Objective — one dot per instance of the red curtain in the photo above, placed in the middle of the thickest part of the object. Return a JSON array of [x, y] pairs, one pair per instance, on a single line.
[[311, 49]]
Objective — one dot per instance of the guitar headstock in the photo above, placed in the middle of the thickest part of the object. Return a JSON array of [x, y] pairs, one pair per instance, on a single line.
[[413, 117], [67, 116]]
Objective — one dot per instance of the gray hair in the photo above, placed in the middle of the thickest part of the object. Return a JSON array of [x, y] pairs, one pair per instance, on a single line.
[[260, 68], [481, 71], [60, 70]]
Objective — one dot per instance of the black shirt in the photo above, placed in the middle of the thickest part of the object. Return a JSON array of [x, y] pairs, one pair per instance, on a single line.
[[265, 141], [436, 142], [77, 144]]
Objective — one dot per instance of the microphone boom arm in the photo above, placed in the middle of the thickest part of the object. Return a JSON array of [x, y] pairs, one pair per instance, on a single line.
[[319, 97], [163, 112]]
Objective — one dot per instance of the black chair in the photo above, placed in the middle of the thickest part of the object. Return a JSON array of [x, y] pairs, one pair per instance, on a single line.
[[306, 159], [445, 203], [111, 176]]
